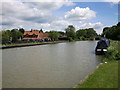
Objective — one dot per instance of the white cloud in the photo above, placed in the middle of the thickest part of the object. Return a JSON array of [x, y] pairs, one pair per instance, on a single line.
[[16, 14], [37, 12], [59, 24], [11, 22], [80, 14], [4, 20], [49, 4], [98, 26], [69, 3], [22, 11], [45, 5], [113, 1], [34, 15], [56, 25]]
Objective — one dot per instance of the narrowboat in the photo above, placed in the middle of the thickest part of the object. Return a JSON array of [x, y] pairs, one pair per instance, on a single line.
[[102, 46]]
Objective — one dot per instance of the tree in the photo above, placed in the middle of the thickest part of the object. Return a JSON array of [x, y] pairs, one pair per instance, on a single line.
[[70, 32], [91, 33], [86, 33], [61, 33], [16, 35], [41, 30], [21, 30], [0, 36], [112, 32], [118, 24], [6, 36], [53, 35], [81, 33], [105, 31]]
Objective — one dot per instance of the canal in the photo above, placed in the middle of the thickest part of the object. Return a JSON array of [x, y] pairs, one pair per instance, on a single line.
[[60, 65]]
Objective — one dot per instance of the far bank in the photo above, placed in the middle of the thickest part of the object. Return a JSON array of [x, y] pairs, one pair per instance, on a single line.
[[28, 44]]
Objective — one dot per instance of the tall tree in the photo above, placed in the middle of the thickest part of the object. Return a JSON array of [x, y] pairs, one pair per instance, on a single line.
[[70, 32], [16, 35], [6, 35], [53, 35], [61, 33], [118, 24], [22, 30], [41, 30], [91, 33], [112, 32], [86, 33], [81, 33]]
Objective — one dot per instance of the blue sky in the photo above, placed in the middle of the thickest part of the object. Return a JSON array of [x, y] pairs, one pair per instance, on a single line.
[[107, 13], [58, 15]]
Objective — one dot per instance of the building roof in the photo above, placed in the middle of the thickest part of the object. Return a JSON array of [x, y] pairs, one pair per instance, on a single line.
[[39, 35], [36, 32]]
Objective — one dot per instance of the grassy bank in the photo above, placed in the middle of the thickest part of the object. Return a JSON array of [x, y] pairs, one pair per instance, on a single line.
[[106, 75]]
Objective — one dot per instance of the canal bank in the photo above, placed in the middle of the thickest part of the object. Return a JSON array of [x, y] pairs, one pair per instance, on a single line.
[[28, 44], [106, 75]]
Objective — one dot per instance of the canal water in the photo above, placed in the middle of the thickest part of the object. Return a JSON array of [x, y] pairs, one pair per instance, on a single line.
[[60, 65]]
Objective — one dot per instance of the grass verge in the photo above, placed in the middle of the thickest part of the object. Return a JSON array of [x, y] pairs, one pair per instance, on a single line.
[[106, 75]]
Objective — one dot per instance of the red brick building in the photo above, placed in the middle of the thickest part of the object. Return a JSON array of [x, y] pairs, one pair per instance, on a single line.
[[35, 35]]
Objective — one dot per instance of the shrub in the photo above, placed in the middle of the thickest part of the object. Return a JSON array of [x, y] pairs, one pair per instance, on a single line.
[[70, 39], [113, 52]]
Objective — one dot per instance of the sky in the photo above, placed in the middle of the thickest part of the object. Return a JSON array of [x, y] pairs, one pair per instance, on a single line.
[[49, 15]]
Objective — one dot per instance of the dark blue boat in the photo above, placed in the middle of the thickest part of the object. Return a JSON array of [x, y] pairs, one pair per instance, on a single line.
[[102, 46]]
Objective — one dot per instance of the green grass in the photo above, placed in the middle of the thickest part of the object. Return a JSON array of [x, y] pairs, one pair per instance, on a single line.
[[106, 76]]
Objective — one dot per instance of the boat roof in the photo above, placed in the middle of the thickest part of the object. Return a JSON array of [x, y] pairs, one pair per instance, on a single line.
[[105, 40]]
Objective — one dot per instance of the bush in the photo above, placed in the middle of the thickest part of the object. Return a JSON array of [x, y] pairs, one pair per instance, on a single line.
[[91, 39], [113, 52], [70, 39], [82, 38]]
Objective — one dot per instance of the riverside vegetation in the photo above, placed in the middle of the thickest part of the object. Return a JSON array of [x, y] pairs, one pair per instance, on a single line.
[[71, 34], [106, 75], [15, 36]]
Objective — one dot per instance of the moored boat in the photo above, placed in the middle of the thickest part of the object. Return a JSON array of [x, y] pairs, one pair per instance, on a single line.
[[102, 46]]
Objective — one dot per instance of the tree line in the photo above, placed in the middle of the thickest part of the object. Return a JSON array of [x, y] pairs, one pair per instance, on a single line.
[[16, 35], [71, 34], [87, 34], [13, 35], [112, 32], [81, 34]]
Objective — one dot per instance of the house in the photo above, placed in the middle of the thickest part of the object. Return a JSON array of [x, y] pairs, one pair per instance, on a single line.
[[35, 35]]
